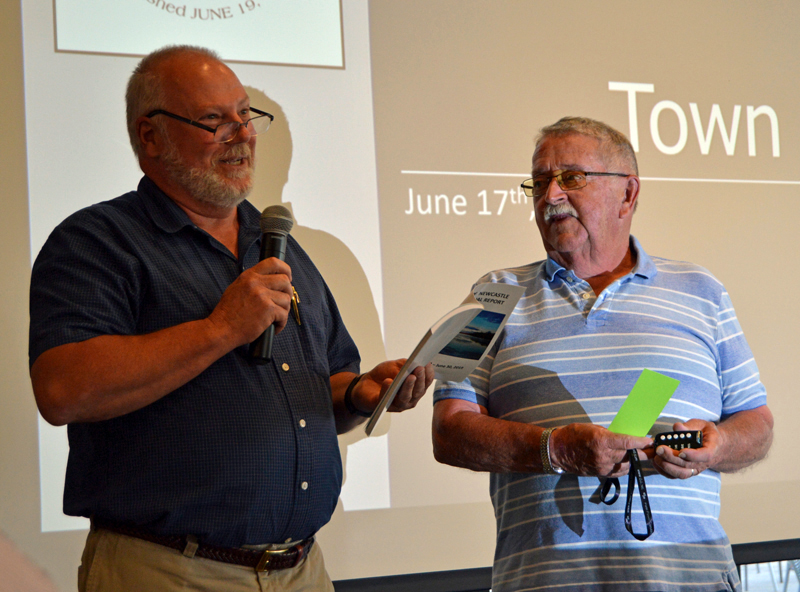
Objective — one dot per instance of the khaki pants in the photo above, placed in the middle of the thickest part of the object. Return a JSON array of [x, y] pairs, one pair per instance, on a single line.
[[117, 563]]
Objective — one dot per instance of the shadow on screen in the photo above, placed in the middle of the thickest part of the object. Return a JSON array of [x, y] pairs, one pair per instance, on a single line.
[[337, 264], [547, 398]]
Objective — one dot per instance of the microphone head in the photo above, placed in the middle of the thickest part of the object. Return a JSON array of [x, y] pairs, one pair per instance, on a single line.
[[277, 220]]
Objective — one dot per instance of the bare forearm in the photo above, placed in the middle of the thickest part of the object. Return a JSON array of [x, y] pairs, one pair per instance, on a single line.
[[464, 435], [745, 438], [112, 375], [478, 442]]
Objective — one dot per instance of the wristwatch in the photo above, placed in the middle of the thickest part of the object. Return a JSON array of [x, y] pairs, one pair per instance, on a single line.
[[544, 448]]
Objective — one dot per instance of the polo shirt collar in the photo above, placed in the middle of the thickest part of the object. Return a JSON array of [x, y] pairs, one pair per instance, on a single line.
[[644, 266], [169, 217], [165, 213], [551, 268]]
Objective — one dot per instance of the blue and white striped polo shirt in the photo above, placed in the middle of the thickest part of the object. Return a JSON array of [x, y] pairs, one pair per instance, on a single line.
[[566, 356]]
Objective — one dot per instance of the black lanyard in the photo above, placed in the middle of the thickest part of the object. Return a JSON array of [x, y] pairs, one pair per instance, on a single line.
[[634, 476]]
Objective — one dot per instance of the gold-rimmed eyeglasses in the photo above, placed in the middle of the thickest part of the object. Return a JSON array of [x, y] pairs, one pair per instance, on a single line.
[[567, 180]]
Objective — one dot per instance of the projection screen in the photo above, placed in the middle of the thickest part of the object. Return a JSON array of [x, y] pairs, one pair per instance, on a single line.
[[402, 133]]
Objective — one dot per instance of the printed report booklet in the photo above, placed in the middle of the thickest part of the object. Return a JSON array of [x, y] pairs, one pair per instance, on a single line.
[[457, 342]]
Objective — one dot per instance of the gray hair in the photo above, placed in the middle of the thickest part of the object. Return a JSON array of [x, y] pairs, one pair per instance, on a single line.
[[614, 144], [145, 91]]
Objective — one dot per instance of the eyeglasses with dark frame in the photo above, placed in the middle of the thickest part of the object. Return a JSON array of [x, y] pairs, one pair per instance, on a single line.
[[567, 180], [225, 132]]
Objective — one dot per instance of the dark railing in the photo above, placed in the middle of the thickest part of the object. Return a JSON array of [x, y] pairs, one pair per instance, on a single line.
[[480, 579]]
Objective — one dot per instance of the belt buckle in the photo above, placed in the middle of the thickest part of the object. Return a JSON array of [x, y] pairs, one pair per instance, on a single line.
[[266, 558]]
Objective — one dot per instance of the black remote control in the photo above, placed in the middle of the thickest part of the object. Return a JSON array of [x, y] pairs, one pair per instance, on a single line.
[[680, 440]]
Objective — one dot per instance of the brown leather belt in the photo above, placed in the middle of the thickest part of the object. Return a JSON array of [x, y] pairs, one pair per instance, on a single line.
[[266, 560]]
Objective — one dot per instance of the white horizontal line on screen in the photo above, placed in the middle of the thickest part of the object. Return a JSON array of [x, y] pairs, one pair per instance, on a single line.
[[674, 179], [751, 181], [462, 174]]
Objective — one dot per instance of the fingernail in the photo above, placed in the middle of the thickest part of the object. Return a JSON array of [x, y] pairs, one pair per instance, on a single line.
[[682, 455]]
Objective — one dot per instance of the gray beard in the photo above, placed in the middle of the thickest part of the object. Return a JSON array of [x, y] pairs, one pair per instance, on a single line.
[[206, 185]]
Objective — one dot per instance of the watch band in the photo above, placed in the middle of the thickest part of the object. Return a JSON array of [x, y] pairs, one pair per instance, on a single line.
[[348, 399], [544, 449]]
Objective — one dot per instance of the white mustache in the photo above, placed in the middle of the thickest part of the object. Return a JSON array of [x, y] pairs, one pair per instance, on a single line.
[[558, 210]]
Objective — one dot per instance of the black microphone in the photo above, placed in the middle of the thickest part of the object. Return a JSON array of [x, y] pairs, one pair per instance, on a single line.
[[276, 223]]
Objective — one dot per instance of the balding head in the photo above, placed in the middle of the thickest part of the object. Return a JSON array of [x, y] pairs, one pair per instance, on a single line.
[[147, 87], [192, 93]]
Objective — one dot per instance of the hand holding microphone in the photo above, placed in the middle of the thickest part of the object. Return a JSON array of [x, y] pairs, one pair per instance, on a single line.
[[260, 298], [276, 223]]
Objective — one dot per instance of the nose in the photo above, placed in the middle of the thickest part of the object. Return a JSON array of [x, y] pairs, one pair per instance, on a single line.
[[242, 134], [554, 193]]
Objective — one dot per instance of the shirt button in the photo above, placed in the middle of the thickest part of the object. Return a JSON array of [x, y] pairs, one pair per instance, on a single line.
[[302, 423], [285, 367], [585, 296], [304, 485]]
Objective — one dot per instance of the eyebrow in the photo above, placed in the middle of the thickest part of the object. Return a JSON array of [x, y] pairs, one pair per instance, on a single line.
[[568, 167], [243, 104]]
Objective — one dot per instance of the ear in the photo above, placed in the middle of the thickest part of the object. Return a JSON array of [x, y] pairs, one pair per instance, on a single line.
[[628, 205], [149, 137]]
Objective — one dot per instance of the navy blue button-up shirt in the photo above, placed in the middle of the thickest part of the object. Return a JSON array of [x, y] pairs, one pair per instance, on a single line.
[[242, 454]]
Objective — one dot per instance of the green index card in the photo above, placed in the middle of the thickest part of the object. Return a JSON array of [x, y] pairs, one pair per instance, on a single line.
[[644, 404]]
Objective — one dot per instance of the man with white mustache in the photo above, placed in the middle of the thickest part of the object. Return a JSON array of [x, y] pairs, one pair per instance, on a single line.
[[199, 469], [535, 413]]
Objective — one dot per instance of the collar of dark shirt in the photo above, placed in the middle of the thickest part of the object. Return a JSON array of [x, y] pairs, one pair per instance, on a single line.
[[170, 218]]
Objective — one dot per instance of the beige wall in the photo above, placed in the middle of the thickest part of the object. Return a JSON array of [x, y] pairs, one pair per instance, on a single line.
[[58, 554]]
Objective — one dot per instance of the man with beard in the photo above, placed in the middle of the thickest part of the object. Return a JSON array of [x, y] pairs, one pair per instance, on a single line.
[[535, 413], [199, 469]]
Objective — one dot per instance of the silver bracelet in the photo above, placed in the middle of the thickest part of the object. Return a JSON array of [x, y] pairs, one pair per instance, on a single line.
[[544, 449]]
